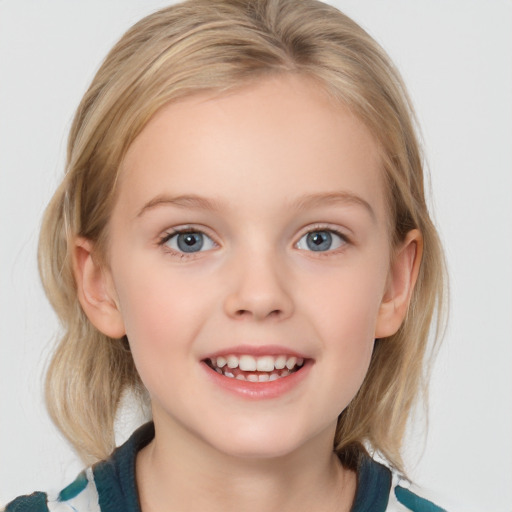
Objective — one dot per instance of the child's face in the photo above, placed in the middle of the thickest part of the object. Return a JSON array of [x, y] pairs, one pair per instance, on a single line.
[[286, 253]]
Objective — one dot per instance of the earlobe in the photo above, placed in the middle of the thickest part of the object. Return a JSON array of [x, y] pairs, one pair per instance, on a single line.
[[401, 280], [96, 291]]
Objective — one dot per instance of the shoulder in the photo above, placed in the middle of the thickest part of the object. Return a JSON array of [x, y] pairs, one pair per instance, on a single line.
[[35, 502], [108, 486], [407, 497], [80, 496], [381, 490]]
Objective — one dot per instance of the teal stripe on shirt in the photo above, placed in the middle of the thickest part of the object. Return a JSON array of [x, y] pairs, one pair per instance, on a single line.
[[74, 488], [414, 502]]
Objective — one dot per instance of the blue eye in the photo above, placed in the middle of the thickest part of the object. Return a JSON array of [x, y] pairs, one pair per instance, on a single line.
[[189, 241], [321, 240]]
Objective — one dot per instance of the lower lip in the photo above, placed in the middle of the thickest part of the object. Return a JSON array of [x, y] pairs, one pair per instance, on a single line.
[[259, 390]]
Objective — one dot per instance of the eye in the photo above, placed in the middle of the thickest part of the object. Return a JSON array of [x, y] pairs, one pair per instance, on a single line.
[[188, 241], [321, 240]]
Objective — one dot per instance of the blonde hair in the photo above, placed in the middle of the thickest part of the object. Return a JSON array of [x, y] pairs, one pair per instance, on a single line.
[[218, 45]]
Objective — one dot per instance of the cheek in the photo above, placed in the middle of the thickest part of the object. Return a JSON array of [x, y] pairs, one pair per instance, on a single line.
[[164, 311], [161, 318], [344, 310], [346, 302]]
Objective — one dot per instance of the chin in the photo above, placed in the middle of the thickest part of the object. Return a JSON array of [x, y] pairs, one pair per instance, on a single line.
[[259, 442], [258, 451]]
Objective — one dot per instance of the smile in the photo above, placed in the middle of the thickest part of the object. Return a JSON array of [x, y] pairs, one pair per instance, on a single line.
[[255, 369]]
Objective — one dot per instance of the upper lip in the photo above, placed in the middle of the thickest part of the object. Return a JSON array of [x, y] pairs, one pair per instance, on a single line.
[[257, 350]]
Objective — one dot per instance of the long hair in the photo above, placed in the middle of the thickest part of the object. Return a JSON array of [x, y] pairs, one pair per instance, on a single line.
[[220, 45]]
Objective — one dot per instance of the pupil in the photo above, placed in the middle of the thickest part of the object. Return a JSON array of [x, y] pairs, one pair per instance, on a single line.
[[190, 242], [319, 241]]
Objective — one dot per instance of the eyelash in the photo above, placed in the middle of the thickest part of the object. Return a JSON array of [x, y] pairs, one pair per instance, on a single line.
[[182, 231], [322, 228], [315, 229]]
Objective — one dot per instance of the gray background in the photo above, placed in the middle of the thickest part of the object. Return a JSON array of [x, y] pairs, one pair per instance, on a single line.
[[456, 57]]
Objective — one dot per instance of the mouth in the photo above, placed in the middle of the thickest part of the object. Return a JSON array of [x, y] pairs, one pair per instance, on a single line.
[[249, 368]]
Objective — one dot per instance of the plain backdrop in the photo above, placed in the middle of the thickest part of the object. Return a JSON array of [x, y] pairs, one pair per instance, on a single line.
[[455, 56]]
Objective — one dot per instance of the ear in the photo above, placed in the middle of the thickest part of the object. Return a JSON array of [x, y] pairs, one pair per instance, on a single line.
[[402, 277], [96, 291]]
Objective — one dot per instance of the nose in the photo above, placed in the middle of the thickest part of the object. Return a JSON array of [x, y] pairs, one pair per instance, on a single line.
[[258, 288]]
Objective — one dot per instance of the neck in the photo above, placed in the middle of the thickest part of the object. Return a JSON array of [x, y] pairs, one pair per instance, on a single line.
[[187, 475]]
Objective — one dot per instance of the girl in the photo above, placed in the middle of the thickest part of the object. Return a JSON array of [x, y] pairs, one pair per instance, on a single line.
[[241, 239]]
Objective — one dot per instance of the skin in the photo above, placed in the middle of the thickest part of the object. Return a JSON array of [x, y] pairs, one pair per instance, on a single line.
[[265, 162]]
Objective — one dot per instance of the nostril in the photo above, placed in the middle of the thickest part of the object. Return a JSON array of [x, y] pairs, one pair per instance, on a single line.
[[257, 314]]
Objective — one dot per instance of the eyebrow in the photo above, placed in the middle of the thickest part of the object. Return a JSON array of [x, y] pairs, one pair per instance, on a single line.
[[184, 201], [343, 198], [303, 203]]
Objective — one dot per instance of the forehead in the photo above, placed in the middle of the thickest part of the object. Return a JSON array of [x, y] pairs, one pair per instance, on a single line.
[[283, 134]]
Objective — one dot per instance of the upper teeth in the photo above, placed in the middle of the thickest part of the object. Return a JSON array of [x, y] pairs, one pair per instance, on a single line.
[[249, 363]]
